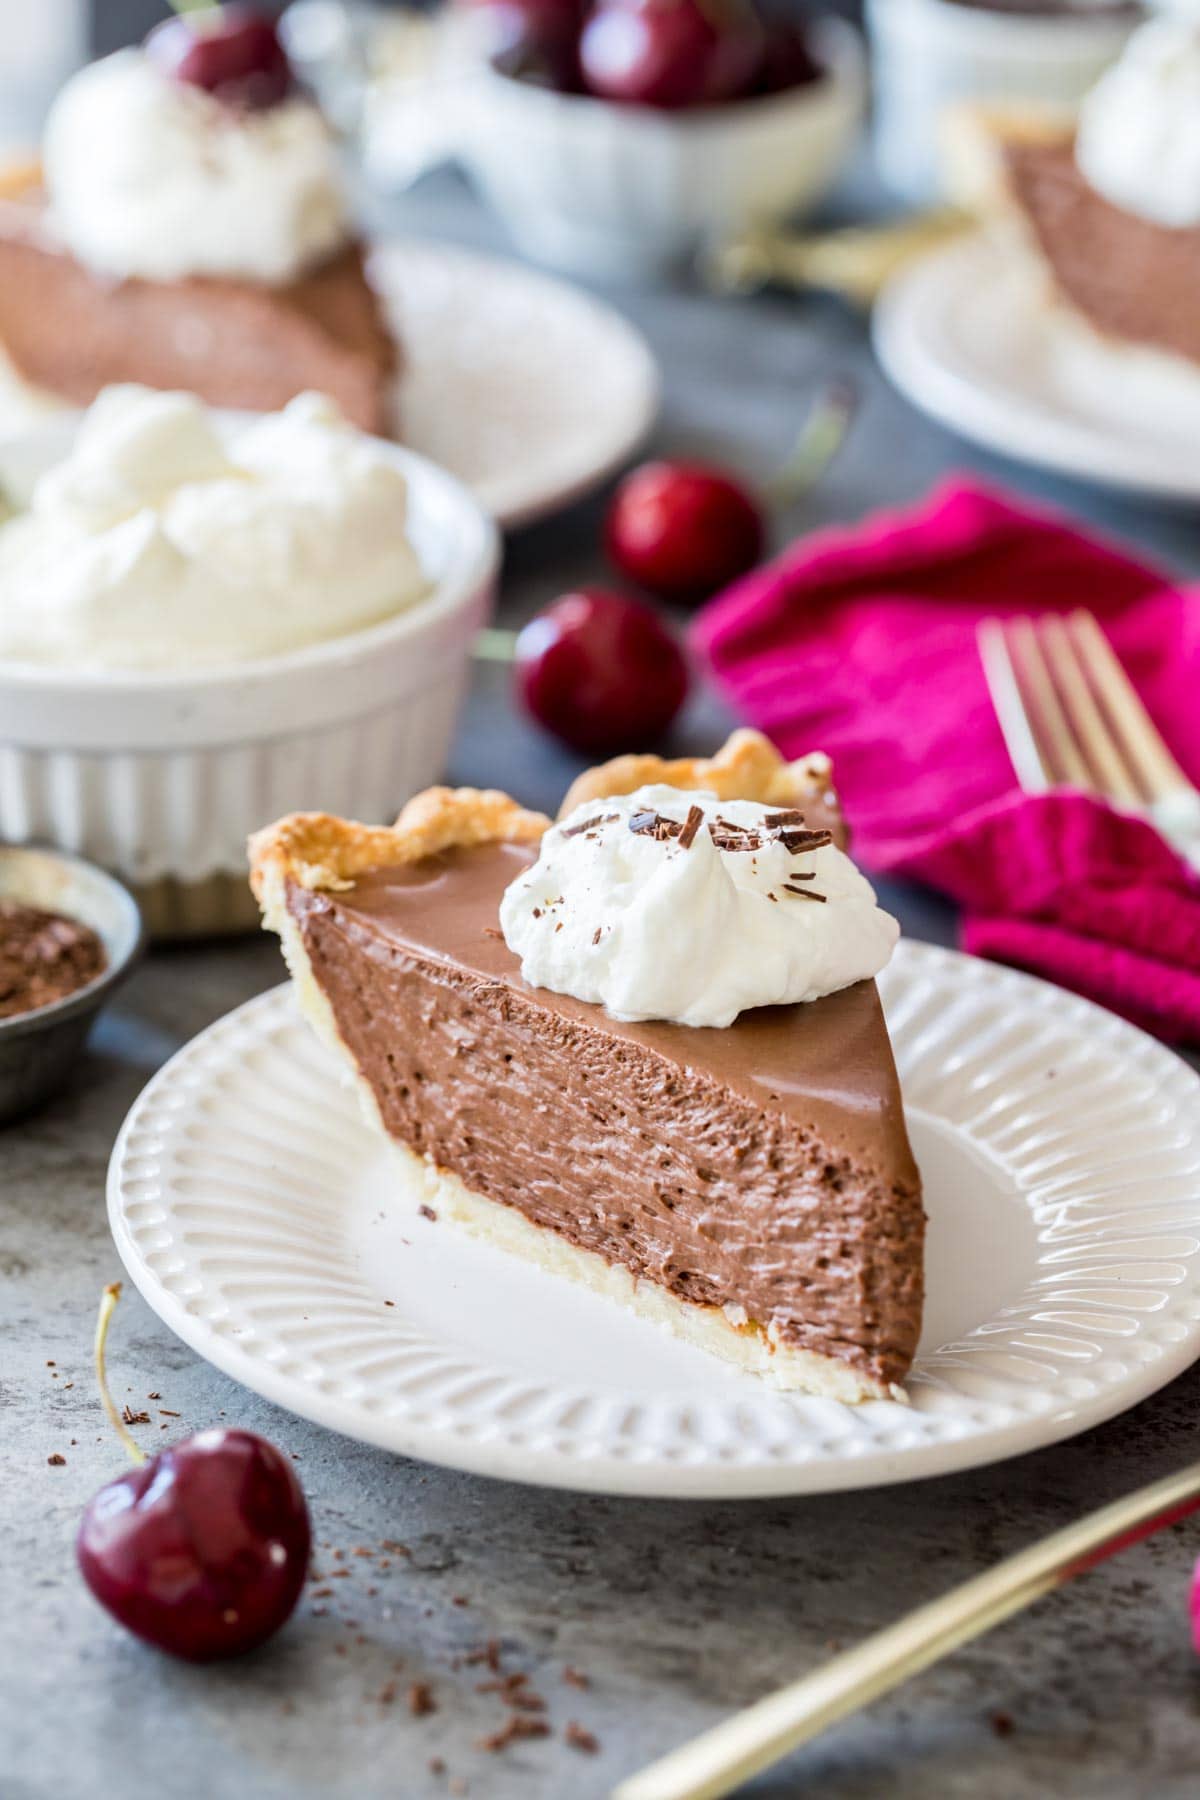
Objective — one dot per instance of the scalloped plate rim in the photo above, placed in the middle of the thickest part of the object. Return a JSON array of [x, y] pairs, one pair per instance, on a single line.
[[945, 377], [603, 1473]]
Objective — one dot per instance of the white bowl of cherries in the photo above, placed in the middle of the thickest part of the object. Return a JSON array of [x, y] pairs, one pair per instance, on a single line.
[[616, 137]]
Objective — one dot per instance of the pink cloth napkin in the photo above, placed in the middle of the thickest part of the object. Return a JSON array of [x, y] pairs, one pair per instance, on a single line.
[[862, 643]]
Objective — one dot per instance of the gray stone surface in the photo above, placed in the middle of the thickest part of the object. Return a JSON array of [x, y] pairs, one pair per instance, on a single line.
[[675, 1612]]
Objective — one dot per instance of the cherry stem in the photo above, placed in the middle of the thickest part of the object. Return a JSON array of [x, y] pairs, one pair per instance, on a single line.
[[108, 1306], [494, 645], [822, 435], [194, 9]]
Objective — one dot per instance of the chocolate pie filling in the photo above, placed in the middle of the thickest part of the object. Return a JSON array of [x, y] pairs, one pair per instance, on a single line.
[[1129, 277], [764, 1167], [235, 343]]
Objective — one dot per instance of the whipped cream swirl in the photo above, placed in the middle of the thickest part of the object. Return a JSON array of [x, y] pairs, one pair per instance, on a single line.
[[160, 543], [1138, 139], [664, 904], [151, 177]]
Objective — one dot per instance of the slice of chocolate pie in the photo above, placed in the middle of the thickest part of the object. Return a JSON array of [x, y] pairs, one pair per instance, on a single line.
[[749, 1185], [186, 227], [1108, 203], [247, 345]]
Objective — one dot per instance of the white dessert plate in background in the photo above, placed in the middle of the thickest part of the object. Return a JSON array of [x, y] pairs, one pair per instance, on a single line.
[[970, 337], [267, 1225], [526, 388]]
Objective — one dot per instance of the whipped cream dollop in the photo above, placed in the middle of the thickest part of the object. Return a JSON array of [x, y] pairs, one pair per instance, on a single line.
[[1138, 138], [159, 543], [646, 909], [148, 176]]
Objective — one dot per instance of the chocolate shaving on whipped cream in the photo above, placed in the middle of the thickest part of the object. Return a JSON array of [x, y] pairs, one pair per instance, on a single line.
[[656, 922]]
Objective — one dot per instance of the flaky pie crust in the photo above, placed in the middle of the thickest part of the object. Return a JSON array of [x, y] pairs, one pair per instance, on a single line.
[[20, 176], [322, 852], [746, 767], [972, 139]]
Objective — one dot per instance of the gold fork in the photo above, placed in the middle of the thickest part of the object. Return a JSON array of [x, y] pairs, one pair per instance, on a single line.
[[1071, 717], [732, 1752]]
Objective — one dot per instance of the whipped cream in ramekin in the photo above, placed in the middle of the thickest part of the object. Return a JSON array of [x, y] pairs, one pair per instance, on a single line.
[[693, 927], [148, 176], [161, 544], [1138, 139]]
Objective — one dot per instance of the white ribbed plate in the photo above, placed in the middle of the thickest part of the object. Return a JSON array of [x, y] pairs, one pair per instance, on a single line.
[[266, 1224], [968, 336]]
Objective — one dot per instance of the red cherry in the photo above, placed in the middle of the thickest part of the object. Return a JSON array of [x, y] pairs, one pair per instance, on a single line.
[[600, 671], [234, 54], [203, 1550], [670, 53], [683, 530]]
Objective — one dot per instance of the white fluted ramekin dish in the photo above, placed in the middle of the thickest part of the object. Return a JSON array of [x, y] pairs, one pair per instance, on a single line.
[[622, 192], [161, 777]]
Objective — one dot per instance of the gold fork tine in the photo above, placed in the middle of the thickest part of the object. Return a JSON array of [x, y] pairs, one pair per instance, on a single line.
[[1101, 748], [1143, 743], [1047, 719], [1005, 690]]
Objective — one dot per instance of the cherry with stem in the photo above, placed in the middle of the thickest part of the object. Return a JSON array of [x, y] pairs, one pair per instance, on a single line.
[[202, 1549]]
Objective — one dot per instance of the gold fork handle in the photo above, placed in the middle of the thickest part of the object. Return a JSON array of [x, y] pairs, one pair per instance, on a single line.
[[739, 1748]]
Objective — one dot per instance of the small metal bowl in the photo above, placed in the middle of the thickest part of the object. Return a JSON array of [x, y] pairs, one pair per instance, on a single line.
[[38, 1048]]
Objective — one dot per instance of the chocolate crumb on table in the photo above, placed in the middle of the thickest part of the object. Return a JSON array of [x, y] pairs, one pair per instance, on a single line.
[[579, 1738], [575, 1677], [56, 1461], [420, 1700], [518, 1726], [1003, 1724]]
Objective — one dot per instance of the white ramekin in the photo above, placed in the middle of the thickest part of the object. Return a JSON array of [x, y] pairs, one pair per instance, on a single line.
[[931, 55], [162, 777], [620, 192]]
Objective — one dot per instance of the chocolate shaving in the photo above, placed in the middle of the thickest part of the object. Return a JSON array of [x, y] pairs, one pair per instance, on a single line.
[[789, 816], [691, 826], [427, 1212], [804, 893], [589, 824], [655, 825], [597, 934], [797, 842], [728, 836], [581, 1739], [492, 931]]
